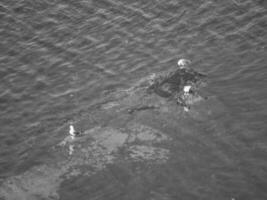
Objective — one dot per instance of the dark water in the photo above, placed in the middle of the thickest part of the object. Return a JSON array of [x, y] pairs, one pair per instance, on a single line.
[[60, 58]]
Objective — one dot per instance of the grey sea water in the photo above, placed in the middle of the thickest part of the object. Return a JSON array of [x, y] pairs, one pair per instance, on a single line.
[[62, 60]]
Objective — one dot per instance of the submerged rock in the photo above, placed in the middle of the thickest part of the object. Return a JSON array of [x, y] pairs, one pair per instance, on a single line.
[[152, 92], [172, 85], [126, 128], [92, 152], [143, 153]]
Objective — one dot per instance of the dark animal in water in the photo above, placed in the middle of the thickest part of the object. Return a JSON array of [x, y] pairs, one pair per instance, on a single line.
[[171, 85]]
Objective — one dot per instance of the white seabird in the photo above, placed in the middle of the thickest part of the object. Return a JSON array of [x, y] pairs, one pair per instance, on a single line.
[[73, 133], [182, 63], [187, 89]]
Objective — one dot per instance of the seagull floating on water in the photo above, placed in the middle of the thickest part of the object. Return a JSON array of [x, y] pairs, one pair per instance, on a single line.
[[182, 63], [187, 89], [73, 133]]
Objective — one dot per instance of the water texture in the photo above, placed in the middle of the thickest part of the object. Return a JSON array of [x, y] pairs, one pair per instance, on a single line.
[[75, 62]]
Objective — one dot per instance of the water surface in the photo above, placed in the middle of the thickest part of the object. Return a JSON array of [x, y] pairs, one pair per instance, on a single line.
[[61, 59]]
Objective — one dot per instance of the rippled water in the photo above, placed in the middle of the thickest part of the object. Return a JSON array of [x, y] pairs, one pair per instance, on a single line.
[[59, 59]]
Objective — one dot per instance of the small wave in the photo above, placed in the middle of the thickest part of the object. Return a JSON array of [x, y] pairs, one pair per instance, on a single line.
[[67, 92]]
